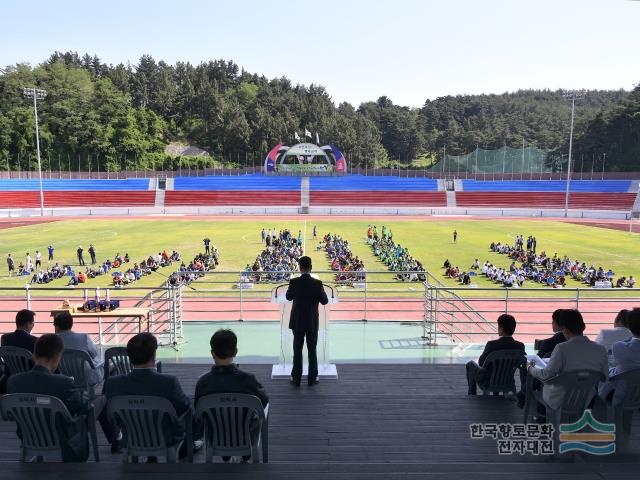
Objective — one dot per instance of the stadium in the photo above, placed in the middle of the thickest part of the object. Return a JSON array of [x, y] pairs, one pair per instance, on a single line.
[[478, 313]]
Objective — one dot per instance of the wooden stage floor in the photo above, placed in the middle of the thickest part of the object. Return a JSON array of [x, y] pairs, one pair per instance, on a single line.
[[376, 421]]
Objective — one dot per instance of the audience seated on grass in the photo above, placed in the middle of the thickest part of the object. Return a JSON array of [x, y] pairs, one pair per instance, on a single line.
[[552, 271], [279, 259], [50, 274], [226, 377], [578, 353], [394, 256], [201, 263], [349, 266], [478, 374], [147, 265], [21, 337]]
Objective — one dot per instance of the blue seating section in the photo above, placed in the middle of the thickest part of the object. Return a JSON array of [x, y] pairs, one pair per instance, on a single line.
[[251, 182], [32, 185], [589, 186], [365, 183]]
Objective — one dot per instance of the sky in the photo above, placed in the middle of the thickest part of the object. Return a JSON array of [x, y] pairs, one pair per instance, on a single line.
[[408, 50]]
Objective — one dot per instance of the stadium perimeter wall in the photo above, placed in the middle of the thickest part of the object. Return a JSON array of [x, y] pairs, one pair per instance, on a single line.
[[293, 210]]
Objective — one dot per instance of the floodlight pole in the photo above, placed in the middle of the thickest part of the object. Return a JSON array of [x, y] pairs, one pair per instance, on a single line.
[[567, 192], [37, 94]]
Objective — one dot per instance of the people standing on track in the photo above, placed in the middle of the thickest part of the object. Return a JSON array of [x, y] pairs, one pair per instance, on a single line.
[[10, 264], [50, 249], [80, 257], [207, 242], [92, 252], [455, 236]]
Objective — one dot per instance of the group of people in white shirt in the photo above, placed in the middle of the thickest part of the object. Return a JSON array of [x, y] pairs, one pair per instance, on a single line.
[[614, 351]]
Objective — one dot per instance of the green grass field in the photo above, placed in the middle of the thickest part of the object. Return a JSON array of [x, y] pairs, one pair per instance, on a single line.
[[238, 241]]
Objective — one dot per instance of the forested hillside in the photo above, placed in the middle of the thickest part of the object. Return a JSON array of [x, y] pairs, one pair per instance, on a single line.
[[122, 116]]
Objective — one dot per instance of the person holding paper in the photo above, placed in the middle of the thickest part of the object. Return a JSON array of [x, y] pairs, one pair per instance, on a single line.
[[577, 353]]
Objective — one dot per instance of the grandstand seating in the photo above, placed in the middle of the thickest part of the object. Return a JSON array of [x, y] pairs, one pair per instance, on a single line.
[[242, 183], [585, 194], [76, 193], [350, 190], [365, 183], [233, 197], [130, 184], [360, 190], [258, 190]]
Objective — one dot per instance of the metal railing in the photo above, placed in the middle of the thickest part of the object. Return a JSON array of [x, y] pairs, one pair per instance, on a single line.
[[164, 320], [414, 172], [458, 314]]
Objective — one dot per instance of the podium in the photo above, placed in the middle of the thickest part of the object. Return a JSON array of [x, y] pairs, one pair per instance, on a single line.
[[282, 370]]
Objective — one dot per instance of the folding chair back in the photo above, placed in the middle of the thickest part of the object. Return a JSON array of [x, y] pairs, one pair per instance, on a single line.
[[627, 390], [579, 389], [503, 365], [626, 400], [16, 359], [36, 416], [78, 365], [234, 425], [116, 362], [142, 418]]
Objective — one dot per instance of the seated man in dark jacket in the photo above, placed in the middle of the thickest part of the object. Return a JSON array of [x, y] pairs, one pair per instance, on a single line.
[[41, 380], [545, 347], [476, 373], [144, 380], [22, 338], [226, 377]]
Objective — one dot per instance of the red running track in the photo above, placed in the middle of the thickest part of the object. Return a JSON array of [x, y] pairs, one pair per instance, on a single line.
[[533, 315]]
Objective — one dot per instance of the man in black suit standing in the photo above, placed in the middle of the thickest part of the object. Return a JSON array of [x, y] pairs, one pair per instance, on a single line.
[[42, 380], [25, 320], [306, 293], [476, 372], [545, 347]]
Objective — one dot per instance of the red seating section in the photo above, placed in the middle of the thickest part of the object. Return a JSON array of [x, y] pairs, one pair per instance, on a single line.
[[56, 198], [19, 199], [577, 200], [379, 198], [232, 197]]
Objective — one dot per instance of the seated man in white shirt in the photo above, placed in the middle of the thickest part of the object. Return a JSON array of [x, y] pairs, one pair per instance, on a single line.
[[577, 353], [626, 353], [63, 323], [608, 336]]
